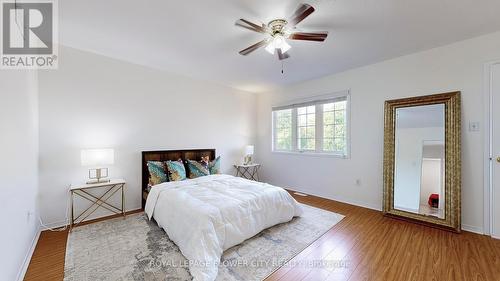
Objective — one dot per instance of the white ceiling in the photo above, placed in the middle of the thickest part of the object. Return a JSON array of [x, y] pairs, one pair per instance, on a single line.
[[199, 38]]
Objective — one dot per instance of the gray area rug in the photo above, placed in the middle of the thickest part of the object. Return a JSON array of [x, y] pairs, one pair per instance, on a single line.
[[135, 248]]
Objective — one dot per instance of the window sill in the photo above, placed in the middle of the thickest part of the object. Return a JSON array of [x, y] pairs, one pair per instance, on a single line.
[[312, 154]]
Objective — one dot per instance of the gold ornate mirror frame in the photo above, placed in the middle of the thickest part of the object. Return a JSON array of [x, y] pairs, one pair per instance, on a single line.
[[452, 205]]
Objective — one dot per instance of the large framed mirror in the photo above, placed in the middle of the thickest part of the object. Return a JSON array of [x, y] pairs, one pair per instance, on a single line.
[[422, 160]]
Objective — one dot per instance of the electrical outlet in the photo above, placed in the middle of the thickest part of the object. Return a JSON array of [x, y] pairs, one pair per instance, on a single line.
[[29, 214], [474, 126], [358, 182]]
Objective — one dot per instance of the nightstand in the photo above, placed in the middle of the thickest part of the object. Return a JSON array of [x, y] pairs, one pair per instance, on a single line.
[[250, 171], [82, 190]]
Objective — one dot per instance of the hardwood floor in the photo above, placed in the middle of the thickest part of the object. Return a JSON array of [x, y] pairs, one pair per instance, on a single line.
[[371, 247]]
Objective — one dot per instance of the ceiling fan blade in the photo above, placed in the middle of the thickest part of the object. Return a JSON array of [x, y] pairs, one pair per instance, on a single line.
[[282, 55], [251, 26], [314, 34], [302, 12], [309, 36], [254, 47]]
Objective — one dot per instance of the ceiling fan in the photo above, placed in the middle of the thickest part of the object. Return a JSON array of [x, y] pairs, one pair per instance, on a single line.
[[281, 30]]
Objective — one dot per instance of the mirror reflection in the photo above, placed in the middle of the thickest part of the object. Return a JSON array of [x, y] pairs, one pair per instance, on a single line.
[[419, 179]]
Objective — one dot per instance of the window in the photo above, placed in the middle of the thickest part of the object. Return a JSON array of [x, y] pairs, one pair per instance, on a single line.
[[318, 126], [334, 127], [306, 128], [283, 129]]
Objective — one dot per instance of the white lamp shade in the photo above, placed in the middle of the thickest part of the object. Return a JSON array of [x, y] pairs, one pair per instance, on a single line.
[[97, 157], [249, 150]]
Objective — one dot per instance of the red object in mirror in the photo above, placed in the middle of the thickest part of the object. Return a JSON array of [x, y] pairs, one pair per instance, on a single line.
[[434, 200]]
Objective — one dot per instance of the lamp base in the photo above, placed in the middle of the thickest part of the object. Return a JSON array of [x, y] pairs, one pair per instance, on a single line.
[[98, 175], [248, 160]]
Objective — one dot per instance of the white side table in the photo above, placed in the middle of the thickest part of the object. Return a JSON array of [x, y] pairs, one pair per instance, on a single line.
[[82, 190], [250, 171]]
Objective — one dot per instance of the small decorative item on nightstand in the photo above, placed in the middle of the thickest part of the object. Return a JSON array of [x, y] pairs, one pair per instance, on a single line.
[[249, 150], [97, 158]]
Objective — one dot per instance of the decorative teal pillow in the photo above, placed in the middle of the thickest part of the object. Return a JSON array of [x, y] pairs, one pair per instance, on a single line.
[[176, 170], [197, 169], [157, 173], [214, 166]]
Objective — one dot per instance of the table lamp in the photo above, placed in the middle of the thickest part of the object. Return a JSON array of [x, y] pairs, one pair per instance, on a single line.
[[96, 159], [249, 150]]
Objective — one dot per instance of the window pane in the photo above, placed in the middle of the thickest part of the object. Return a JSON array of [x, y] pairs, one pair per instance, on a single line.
[[341, 105], [283, 144], [302, 120], [301, 143], [310, 144], [306, 130], [328, 106], [328, 117], [334, 127], [311, 119], [310, 132], [339, 144], [283, 123], [283, 130], [339, 131], [302, 133], [328, 131], [328, 144], [283, 133], [306, 144], [339, 117], [286, 113]]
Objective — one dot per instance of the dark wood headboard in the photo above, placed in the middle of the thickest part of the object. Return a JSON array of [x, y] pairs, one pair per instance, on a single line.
[[165, 155]]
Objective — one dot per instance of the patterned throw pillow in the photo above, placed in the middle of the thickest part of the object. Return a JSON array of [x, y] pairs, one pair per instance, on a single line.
[[157, 173], [214, 166], [176, 170], [205, 160], [197, 169]]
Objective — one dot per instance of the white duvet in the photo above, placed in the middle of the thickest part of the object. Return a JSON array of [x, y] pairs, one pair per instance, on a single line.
[[207, 215]]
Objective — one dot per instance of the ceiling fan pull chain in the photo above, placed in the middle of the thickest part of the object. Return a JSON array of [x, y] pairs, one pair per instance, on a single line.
[[282, 63]]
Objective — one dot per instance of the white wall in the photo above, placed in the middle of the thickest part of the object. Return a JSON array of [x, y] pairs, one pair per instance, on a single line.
[[94, 101], [18, 170], [454, 67]]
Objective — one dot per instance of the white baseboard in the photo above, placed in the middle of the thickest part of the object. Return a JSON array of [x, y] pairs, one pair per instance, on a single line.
[[27, 259], [54, 225], [341, 199], [474, 229]]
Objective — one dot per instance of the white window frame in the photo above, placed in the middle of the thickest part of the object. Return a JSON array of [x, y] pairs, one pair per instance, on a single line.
[[318, 101]]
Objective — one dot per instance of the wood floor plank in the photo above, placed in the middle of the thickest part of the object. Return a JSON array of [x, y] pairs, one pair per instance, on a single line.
[[373, 247]]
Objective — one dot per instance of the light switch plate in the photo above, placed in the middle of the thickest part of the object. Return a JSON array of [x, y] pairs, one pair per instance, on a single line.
[[473, 126]]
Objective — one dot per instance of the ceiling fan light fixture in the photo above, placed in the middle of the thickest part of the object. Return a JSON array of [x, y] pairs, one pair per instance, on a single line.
[[285, 47], [279, 31], [270, 48], [278, 42]]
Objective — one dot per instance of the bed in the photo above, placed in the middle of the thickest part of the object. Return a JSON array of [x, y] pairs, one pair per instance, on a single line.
[[207, 215]]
